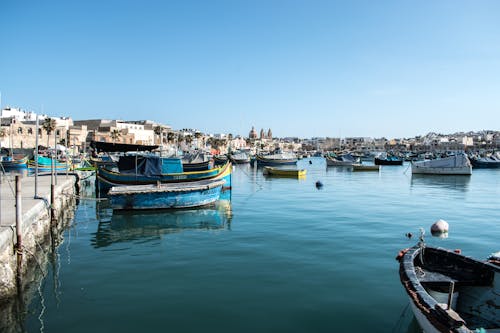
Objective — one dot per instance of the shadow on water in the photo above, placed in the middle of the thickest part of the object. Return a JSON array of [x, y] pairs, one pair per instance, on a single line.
[[459, 182], [129, 226]]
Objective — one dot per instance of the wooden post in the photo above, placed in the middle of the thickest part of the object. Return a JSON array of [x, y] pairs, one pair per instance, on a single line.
[[19, 245]]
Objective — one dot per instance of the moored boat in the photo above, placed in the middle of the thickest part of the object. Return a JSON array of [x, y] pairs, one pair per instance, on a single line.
[[293, 173], [385, 159], [450, 292], [166, 196], [458, 164], [240, 158], [342, 160], [107, 178], [489, 162], [276, 159], [365, 167], [14, 162]]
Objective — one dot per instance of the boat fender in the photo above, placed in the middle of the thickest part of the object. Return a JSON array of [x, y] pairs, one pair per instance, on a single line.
[[458, 251], [401, 254], [440, 226]]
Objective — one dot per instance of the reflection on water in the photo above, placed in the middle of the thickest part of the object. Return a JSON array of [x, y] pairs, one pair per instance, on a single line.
[[130, 226], [459, 182]]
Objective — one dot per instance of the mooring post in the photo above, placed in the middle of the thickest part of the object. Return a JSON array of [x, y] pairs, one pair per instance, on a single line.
[[19, 245]]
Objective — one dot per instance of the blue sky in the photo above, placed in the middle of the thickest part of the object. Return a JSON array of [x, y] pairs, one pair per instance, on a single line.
[[301, 68]]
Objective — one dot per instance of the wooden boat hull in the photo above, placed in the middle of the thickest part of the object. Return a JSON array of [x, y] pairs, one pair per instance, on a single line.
[[201, 166], [453, 165], [380, 161], [361, 167], [166, 196], [293, 173], [470, 286], [263, 161], [15, 163], [485, 163], [107, 178], [466, 171], [333, 162]]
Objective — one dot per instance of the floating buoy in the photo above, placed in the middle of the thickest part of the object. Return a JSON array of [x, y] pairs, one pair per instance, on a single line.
[[319, 184], [310, 162], [439, 228], [409, 235]]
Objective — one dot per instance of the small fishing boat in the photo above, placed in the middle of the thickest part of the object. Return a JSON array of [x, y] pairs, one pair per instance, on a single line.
[[385, 159], [166, 196], [276, 159], [458, 164], [240, 158], [450, 292], [14, 162], [293, 173], [196, 162], [342, 160], [220, 159], [489, 162], [45, 165], [364, 167], [143, 175]]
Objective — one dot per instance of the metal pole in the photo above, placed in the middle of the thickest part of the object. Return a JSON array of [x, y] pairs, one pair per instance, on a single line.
[[36, 157], [19, 246], [55, 157]]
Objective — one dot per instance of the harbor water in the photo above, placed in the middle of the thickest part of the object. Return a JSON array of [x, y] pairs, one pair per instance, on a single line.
[[276, 255]]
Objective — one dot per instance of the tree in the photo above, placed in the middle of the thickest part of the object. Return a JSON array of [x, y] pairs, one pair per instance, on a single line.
[[115, 135], [49, 125], [158, 131]]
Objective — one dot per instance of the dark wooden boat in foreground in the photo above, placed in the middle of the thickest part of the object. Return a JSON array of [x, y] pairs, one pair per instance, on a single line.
[[450, 292]]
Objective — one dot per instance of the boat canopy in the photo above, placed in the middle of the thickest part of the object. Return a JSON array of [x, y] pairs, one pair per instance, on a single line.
[[148, 165], [120, 147]]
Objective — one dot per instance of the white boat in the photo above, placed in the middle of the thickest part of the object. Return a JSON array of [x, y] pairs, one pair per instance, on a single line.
[[454, 165], [342, 160]]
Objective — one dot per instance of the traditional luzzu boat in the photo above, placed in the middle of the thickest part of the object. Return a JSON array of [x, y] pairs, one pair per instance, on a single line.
[[45, 165], [458, 164], [276, 159], [281, 172], [195, 162], [365, 167], [166, 196], [342, 160], [14, 162], [145, 175], [450, 292]]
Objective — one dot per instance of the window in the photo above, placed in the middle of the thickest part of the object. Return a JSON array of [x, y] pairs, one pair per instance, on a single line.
[[30, 130], [20, 130]]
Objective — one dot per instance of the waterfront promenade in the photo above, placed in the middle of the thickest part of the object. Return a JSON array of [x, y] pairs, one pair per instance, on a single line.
[[35, 217]]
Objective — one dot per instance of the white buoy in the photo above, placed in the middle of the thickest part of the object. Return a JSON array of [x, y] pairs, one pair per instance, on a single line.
[[439, 227]]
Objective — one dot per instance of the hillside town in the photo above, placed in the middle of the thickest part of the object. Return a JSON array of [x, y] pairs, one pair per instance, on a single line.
[[18, 127]]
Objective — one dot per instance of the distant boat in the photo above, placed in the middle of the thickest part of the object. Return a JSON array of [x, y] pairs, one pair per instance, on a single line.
[[454, 165], [341, 160], [14, 162], [293, 173], [220, 159], [450, 292], [364, 167], [485, 162], [385, 159], [276, 159], [240, 158], [166, 196]]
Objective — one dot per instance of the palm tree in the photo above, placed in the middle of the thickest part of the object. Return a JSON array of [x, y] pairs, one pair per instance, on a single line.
[[115, 135], [158, 130], [3, 134], [49, 125]]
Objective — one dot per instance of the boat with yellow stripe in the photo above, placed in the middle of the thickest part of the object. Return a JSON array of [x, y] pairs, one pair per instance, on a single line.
[[282, 172]]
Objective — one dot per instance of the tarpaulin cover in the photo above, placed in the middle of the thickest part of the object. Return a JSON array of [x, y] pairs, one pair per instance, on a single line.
[[146, 165]]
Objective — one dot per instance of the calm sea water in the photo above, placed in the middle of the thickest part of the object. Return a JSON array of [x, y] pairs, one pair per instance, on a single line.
[[281, 256]]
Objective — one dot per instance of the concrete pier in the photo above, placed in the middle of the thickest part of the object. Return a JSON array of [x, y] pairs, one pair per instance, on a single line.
[[36, 223]]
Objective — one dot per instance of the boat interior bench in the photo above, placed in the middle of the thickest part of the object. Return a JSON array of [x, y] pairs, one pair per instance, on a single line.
[[434, 277]]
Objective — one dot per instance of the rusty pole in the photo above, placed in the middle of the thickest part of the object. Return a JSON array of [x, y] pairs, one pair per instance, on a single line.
[[19, 246]]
